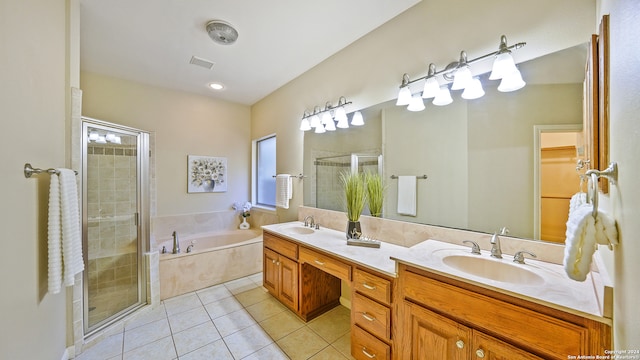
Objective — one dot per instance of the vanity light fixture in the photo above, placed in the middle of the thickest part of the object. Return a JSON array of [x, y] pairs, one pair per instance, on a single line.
[[323, 120], [95, 136], [460, 75]]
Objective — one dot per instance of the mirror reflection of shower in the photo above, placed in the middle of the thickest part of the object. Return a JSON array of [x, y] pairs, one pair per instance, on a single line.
[[329, 193]]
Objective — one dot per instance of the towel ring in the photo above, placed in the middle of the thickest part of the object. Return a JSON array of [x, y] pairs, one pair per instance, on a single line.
[[610, 173]]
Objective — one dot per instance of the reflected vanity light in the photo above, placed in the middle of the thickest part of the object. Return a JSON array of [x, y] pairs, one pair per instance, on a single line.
[[416, 103], [459, 74], [330, 118], [96, 137]]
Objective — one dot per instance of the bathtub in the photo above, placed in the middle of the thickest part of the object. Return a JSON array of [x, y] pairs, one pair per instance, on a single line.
[[214, 258]]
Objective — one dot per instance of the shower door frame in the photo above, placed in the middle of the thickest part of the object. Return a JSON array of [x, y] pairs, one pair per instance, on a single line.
[[142, 217]]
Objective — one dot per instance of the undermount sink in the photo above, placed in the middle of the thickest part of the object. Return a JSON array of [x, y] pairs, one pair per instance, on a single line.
[[493, 269], [297, 230]]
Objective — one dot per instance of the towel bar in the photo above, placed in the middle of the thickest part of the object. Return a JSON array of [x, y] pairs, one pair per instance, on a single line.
[[300, 176], [29, 170], [417, 176]]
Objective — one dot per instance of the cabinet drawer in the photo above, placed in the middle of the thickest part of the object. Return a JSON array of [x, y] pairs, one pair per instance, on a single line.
[[372, 316], [326, 264], [524, 328], [284, 247], [365, 346], [373, 286]]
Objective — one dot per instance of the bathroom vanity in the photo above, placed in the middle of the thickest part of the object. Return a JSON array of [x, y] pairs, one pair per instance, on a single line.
[[411, 302]]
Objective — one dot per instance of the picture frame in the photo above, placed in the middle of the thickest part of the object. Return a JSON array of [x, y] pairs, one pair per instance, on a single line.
[[206, 174]]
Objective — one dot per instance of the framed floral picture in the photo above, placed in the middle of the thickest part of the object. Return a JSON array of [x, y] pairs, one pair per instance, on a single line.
[[206, 174]]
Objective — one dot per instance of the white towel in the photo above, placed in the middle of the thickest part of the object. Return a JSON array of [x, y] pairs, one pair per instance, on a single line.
[[580, 243], [577, 200], [284, 190], [55, 237], [606, 230], [407, 195], [65, 242]]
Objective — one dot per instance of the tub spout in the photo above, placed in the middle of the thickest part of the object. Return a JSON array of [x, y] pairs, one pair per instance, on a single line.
[[176, 244]]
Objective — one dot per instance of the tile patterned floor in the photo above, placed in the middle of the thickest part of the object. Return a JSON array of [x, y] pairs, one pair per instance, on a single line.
[[234, 320]]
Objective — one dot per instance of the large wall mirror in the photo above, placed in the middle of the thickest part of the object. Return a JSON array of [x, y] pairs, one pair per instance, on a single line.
[[478, 155]]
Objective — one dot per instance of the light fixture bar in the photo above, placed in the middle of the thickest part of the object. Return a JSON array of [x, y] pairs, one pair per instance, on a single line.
[[326, 117], [453, 66]]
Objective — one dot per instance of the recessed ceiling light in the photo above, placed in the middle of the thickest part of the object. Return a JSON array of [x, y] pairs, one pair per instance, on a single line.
[[216, 86]]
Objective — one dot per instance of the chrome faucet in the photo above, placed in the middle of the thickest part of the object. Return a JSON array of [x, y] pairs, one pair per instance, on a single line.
[[496, 251], [176, 244], [309, 223]]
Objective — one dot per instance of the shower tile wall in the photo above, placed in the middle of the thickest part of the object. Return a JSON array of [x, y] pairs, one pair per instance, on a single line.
[[112, 233]]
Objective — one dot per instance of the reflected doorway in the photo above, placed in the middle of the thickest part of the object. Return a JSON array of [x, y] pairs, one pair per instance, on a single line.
[[558, 149]]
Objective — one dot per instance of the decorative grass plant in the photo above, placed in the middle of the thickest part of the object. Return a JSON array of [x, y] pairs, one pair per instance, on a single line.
[[375, 193], [355, 194]]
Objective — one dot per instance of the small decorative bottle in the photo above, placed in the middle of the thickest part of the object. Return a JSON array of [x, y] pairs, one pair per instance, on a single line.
[[244, 225]]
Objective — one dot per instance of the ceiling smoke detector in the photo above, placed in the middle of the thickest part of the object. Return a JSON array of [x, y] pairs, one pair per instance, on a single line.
[[221, 32]]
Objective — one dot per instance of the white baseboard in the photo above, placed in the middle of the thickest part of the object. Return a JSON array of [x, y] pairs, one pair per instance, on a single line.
[[345, 302]]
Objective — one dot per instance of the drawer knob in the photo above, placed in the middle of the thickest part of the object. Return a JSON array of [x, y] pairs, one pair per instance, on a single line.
[[368, 317], [367, 286], [368, 354], [480, 353], [460, 344], [319, 262]]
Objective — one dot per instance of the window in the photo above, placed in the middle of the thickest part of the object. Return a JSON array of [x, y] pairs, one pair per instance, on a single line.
[[264, 169]]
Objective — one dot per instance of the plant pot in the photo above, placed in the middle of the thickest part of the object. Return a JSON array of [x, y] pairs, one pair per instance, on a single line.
[[353, 230]]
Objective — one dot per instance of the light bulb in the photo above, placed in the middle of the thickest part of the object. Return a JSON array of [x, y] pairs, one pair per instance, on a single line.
[[461, 78], [431, 88], [503, 64], [474, 90], [511, 82], [404, 96], [443, 97], [416, 103], [305, 125], [357, 119]]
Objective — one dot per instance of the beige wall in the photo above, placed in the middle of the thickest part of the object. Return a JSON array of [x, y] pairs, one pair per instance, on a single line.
[[624, 200], [34, 73], [183, 124]]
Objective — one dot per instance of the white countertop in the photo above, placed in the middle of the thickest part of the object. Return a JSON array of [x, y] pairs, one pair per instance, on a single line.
[[555, 290]]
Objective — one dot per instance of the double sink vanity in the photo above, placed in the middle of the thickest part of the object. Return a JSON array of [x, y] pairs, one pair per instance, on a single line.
[[435, 299]]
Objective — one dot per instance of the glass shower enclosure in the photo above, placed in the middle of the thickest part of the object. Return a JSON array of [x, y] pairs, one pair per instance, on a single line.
[[115, 198], [329, 192]]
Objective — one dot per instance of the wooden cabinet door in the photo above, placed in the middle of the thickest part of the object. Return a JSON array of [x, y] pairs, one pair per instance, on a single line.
[[271, 272], [288, 292], [488, 348], [427, 335]]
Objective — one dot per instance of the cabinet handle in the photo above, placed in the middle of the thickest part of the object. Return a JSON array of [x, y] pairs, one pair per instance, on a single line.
[[319, 262], [480, 353], [368, 317], [460, 344], [367, 286], [368, 354]]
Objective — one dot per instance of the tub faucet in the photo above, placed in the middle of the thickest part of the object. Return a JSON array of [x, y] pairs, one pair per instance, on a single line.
[[176, 244], [308, 222], [496, 251]]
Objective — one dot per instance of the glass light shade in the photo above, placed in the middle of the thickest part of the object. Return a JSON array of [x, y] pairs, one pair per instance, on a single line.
[[503, 64], [443, 97], [326, 118], [315, 121], [431, 88], [511, 82], [404, 96], [340, 114], [343, 123], [474, 90], [305, 125], [110, 137], [416, 103], [319, 129], [461, 78], [330, 125], [101, 140], [357, 119], [117, 140], [93, 136]]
